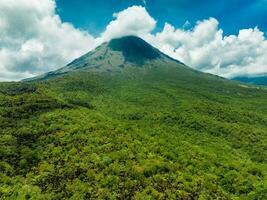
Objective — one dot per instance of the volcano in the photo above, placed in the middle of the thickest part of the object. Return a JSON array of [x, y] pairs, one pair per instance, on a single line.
[[125, 52]]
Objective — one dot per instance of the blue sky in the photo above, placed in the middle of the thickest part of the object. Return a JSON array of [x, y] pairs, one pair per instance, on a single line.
[[233, 15]]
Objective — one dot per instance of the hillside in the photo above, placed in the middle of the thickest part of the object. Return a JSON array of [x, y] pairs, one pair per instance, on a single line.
[[127, 122]]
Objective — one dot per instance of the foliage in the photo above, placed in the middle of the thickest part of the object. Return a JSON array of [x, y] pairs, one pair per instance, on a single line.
[[144, 133]]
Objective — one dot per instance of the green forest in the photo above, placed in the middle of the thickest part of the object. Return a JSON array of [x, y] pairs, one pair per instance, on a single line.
[[140, 133]]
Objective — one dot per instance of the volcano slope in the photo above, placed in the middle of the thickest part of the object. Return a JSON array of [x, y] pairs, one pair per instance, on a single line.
[[127, 122]]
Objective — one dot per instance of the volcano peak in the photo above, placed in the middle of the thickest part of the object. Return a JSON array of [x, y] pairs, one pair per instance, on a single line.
[[134, 49]]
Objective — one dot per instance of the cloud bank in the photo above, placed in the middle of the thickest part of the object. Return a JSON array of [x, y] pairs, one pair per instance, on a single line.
[[34, 40], [206, 49]]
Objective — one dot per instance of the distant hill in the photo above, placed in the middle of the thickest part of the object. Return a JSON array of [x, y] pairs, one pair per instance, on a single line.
[[260, 80], [126, 121]]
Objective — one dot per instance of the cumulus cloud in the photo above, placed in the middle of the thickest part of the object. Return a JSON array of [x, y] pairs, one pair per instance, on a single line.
[[33, 40], [134, 20], [206, 49]]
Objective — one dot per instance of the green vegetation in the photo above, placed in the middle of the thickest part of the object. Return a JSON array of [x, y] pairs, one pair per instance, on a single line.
[[161, 131], [144, 134]]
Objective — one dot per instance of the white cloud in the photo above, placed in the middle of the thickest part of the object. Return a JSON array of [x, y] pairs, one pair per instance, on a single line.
[[33, 40], [132, 21], [206, 49]]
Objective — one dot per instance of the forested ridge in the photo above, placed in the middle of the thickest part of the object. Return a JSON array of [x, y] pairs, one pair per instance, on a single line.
[[86, 136]]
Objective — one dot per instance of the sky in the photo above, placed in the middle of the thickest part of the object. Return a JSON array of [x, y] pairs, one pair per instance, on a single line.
[[226, 38], [233, 15]]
